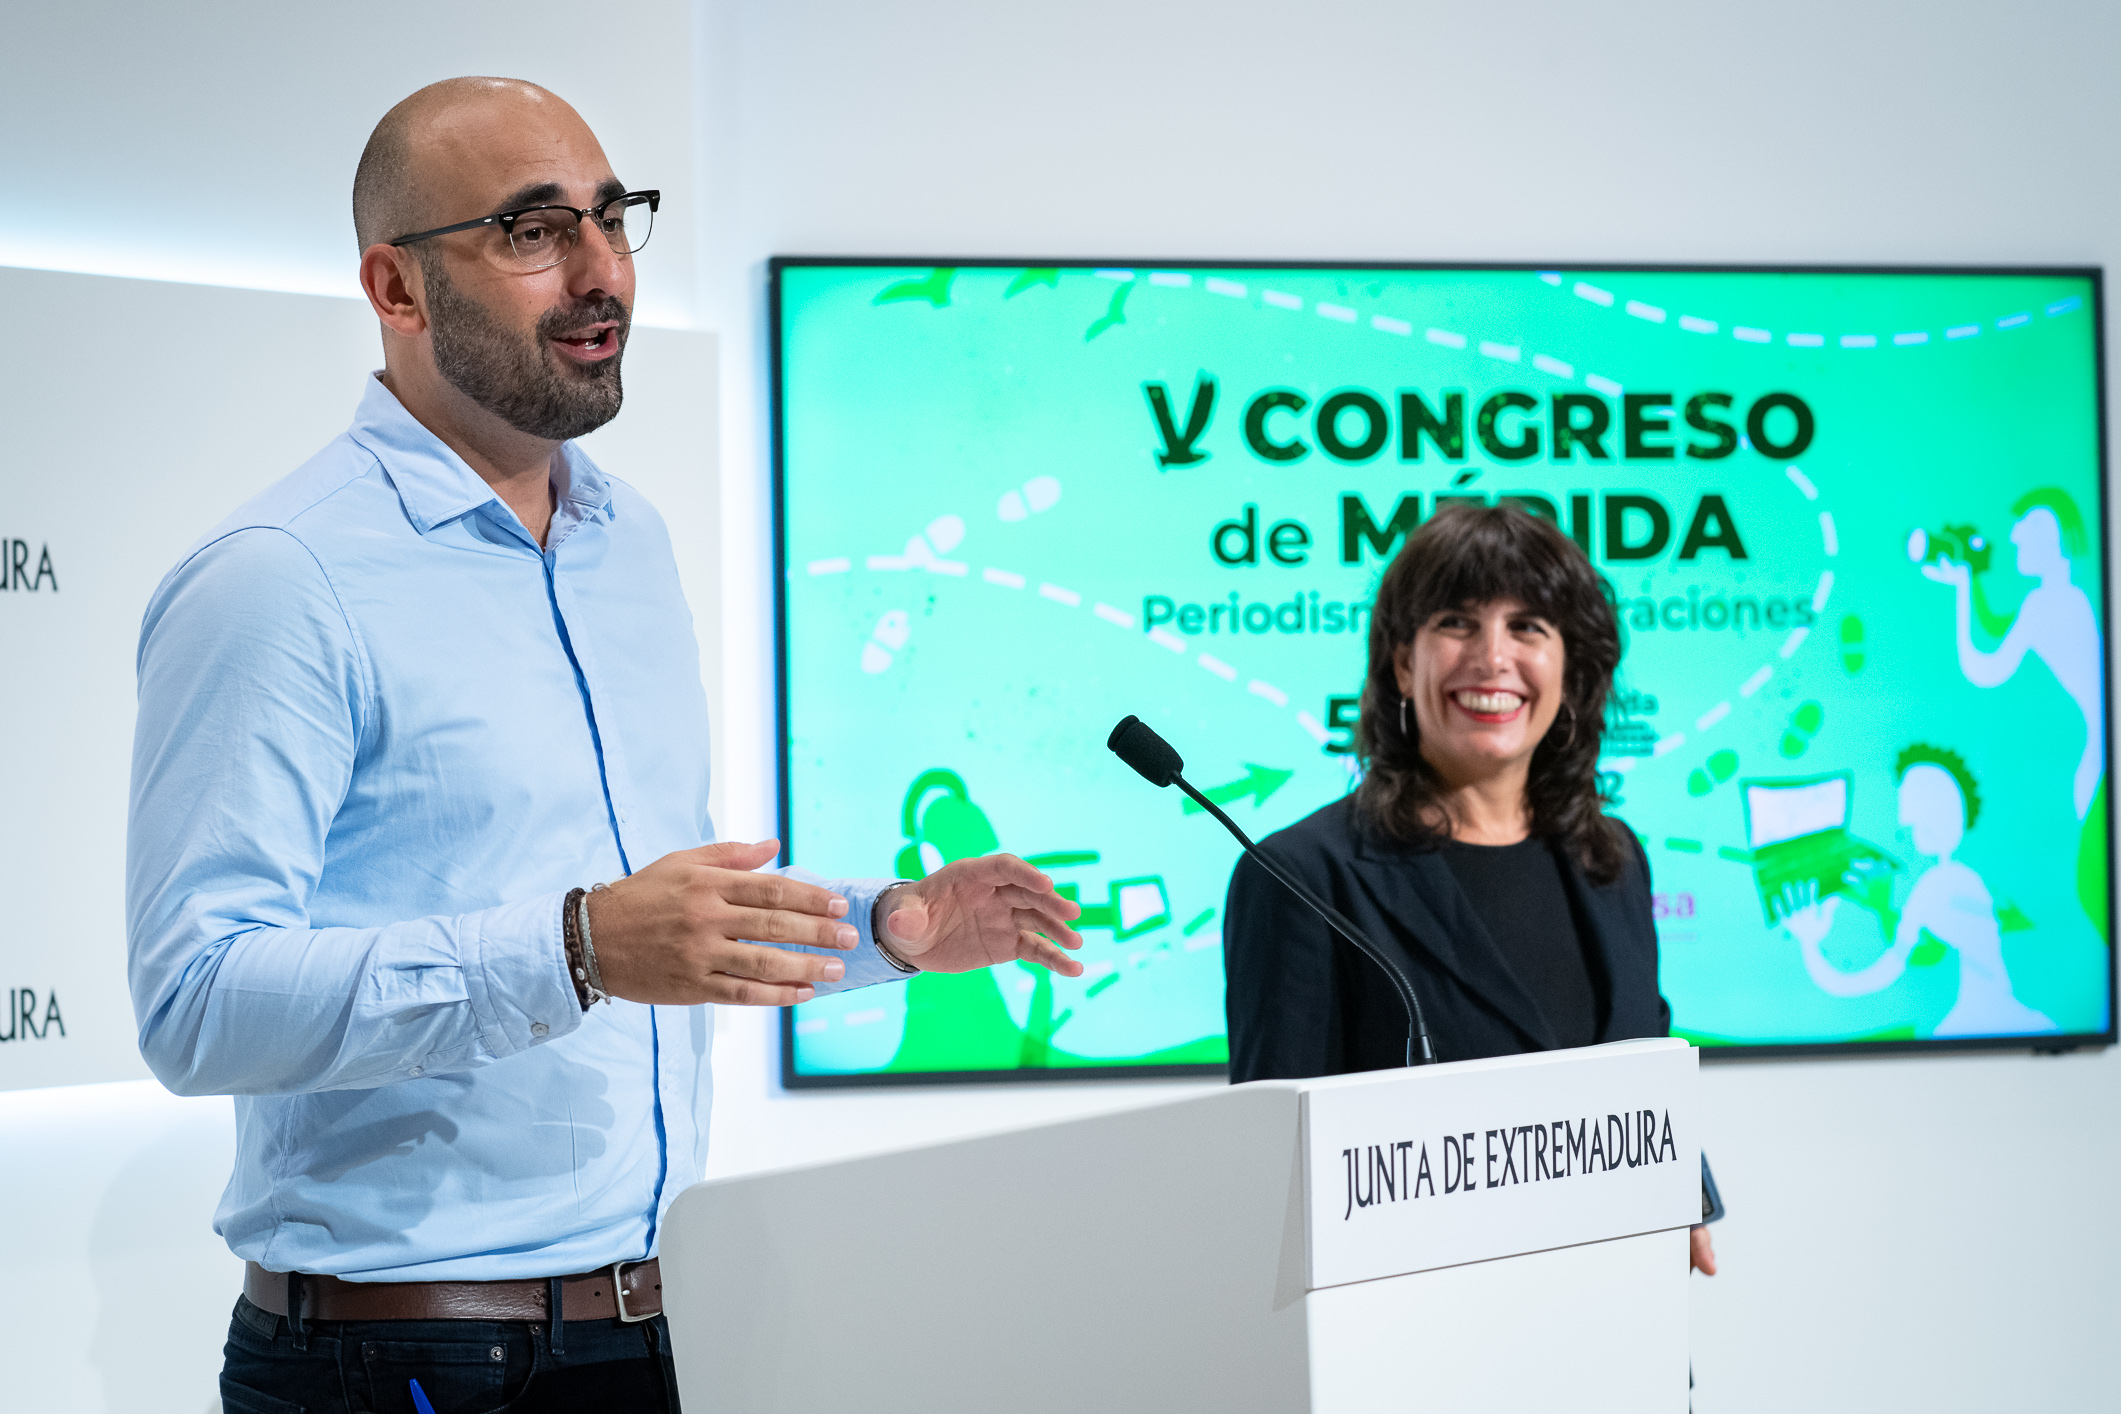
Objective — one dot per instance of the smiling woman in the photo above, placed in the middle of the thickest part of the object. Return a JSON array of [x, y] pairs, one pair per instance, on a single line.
[[1477, 851], [1492, 650]]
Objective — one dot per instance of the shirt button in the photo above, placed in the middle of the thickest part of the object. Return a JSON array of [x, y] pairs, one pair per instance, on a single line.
[[416, 1071], [539, 1028]]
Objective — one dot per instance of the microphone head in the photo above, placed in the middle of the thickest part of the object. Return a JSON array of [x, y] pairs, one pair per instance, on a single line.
[[1136, 743]]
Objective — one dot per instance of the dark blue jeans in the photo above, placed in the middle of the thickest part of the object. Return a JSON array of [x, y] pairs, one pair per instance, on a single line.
[[464, 1367]]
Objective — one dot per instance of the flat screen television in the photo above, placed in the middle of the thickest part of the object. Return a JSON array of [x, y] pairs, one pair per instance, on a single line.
[[1853, 523]]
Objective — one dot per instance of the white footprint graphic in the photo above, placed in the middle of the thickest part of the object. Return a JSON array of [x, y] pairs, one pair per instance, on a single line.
[[889, 635], [946, 533], [1038, 494]]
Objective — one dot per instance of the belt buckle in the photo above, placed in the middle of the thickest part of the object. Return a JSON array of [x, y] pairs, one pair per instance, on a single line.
[[618, 1294]]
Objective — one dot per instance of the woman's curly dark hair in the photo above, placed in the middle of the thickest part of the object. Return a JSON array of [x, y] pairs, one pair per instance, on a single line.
[[1468, 555]]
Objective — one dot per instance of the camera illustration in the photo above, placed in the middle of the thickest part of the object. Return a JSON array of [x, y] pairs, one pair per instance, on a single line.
[[1962, 543]]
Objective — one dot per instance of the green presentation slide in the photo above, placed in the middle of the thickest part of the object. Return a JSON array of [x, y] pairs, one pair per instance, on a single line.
[[1854, 531]]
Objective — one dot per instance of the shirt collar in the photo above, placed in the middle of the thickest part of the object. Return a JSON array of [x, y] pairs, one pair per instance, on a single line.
[[433, 482]]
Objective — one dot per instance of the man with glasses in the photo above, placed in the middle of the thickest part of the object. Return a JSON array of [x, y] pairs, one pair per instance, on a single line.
[[401, 717]]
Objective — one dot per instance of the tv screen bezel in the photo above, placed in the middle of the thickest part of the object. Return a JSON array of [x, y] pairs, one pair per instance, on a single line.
[[791, 1079]]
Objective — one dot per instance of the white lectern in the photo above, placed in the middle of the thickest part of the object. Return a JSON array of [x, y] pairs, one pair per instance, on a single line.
[[1495, 1235]]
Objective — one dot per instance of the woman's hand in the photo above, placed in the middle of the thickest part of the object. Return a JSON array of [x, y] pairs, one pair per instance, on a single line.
[[1702, 1256]]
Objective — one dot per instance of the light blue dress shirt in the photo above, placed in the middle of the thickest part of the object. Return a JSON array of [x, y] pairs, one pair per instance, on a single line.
[[381, 735]]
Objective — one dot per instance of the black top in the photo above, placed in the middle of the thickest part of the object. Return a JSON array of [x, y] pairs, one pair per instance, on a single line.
[[1516, 890], [1302, 1002]]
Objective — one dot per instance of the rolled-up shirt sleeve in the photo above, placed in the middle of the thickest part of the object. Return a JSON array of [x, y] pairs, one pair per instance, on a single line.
[[865, 965], [253, 702]]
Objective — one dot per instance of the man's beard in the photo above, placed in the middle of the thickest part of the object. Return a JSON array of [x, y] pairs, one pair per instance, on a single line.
[[516, 379]]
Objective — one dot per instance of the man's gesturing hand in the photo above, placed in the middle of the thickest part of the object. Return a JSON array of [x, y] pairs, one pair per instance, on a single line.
[[674, 933], [978, 912]]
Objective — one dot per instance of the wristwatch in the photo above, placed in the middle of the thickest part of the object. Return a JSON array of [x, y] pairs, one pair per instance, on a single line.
[[878, 912]]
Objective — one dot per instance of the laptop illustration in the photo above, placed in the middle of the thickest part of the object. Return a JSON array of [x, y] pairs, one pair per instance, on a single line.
[[1797, 829]]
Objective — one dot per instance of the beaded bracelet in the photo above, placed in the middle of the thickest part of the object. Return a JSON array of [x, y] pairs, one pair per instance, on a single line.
[[581, 962], [571, 943], [595, 977]]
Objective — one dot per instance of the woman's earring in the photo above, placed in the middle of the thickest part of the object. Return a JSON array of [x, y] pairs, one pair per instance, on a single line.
[[1402, 716], [1570, 708]]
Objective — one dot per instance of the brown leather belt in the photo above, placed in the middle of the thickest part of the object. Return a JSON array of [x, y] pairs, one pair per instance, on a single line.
[[586, 1296]]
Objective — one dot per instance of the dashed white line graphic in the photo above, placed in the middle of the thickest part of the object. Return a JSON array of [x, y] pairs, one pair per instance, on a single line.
[[926, 551]]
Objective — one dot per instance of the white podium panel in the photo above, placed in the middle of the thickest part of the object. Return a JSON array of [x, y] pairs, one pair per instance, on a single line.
[[1415, 1169], [1596, 1329], [1210, 1254]]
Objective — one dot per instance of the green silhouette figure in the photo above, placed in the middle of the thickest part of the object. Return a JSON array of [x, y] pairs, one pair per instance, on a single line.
[[951, 1020], [941, 829]]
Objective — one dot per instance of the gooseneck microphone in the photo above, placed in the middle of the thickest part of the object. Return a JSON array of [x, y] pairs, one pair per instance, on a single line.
[[1136, 743]]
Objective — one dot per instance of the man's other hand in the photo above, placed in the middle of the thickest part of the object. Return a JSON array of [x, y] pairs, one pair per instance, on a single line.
[[1701, 1252], [978, 912], [674, 933]]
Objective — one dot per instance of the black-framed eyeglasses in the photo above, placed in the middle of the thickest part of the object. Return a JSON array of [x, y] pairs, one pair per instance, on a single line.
[[540, 237]]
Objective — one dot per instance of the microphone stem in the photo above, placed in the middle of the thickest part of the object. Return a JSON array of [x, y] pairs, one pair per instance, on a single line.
[[1417, 1024]]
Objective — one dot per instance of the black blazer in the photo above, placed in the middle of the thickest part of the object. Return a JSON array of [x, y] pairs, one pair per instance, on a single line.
[[1302, 1002]]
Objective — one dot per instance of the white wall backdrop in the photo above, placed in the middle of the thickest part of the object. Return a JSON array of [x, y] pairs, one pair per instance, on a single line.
[[216, 143], [1930, 1234]]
